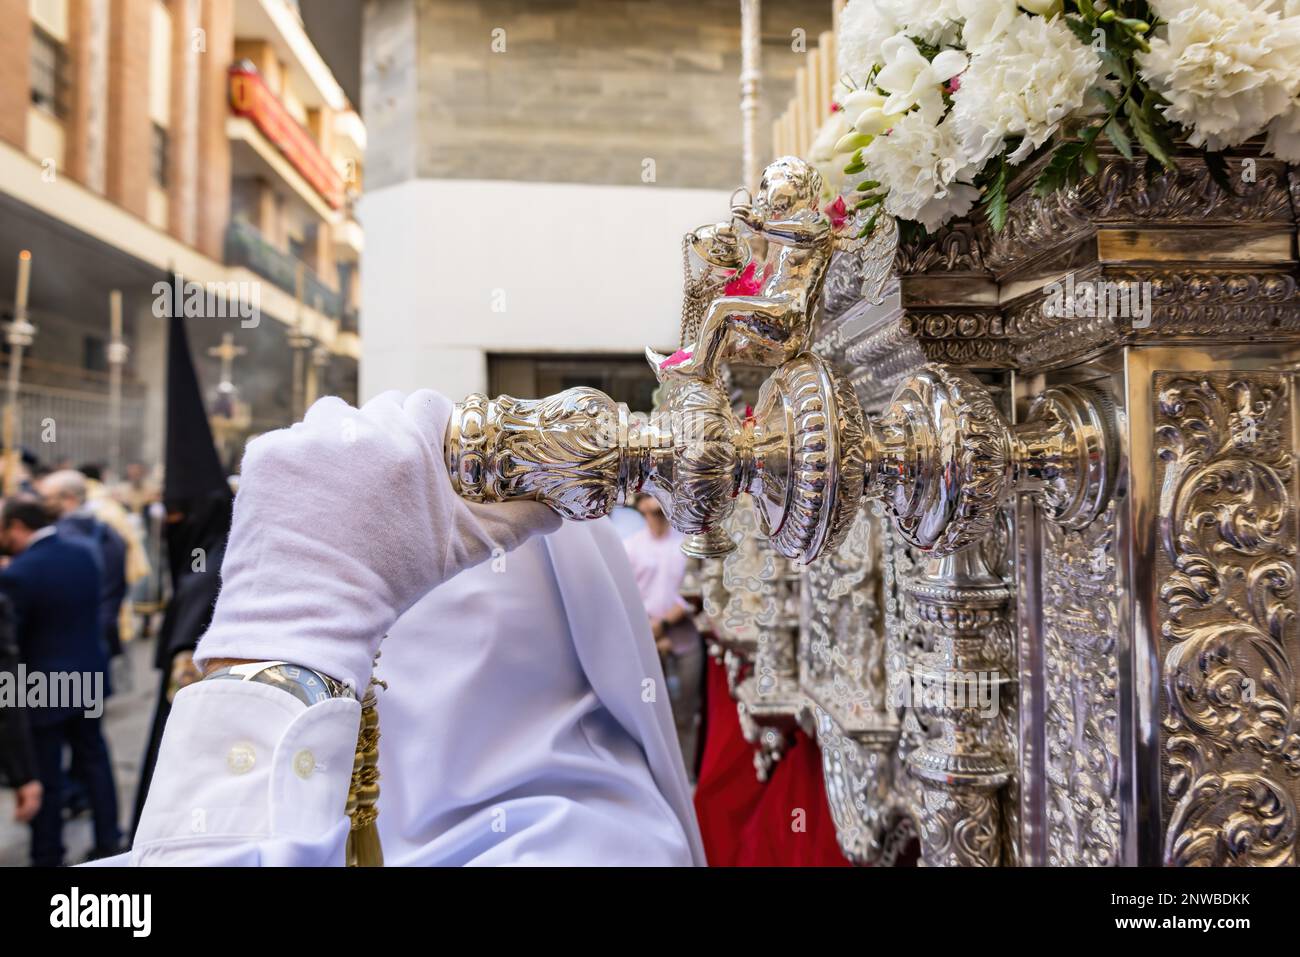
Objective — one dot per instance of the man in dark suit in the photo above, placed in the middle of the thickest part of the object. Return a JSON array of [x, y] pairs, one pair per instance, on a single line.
[[64, 493], [54, 585], [17, 756]]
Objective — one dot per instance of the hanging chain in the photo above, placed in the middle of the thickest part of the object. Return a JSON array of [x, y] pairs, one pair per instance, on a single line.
[[696, 294]]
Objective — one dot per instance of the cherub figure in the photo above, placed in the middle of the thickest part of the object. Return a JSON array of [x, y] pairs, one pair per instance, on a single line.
[[775, 325]]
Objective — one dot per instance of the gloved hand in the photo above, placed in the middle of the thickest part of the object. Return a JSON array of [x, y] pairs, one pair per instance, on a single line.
[[342, 522]]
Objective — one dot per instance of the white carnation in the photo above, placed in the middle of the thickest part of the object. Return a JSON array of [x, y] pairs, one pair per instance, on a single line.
[[922, 167], [937, 22], [1022, 83], [986, 20], [1227, 67], [865, 25], [864, 28], [1284, 135]]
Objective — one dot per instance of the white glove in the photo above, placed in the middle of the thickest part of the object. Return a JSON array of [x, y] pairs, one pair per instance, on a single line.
[[342, 522]]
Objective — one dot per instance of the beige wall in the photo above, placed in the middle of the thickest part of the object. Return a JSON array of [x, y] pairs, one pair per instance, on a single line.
[[584, 92]]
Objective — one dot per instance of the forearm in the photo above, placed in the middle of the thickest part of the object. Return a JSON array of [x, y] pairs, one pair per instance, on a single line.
[[248, 774], [674, 615]]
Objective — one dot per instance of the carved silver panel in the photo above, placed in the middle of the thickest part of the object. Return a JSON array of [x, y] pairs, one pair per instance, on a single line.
[[1227, 575]]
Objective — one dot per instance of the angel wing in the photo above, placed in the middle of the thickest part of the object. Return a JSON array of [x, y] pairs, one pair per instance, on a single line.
[[875, 251]]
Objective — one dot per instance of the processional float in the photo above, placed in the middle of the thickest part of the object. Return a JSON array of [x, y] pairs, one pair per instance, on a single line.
[[1082, 523]]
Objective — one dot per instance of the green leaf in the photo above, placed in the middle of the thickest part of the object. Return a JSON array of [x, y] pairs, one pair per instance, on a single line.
[[910, 232], [1106, 98], [1119, 137], [1091, 161], [1081, 30], [995, 196], [1147, 128], [1062, 170], [1116, 64]]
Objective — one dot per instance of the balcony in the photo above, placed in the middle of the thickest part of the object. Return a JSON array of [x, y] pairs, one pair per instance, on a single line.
[[247, 247], [350, 320], [252, 100]]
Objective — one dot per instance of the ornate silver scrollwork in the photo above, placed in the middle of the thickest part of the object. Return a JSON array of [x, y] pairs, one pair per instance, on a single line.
[[1227, 572]]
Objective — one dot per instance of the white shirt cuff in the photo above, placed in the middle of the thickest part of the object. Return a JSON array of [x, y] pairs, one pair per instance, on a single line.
[[244, 763]]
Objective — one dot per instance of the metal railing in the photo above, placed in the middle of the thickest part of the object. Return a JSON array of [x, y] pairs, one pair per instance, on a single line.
[[66, 425], [246, 246]]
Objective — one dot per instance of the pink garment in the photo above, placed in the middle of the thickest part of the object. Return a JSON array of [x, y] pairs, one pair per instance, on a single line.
[[659, 566]]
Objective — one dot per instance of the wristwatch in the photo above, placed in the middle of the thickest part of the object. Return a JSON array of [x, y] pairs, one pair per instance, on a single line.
[[308, 686]]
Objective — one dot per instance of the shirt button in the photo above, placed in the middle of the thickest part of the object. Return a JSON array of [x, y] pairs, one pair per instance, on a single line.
[[241, 759], [304, 763]]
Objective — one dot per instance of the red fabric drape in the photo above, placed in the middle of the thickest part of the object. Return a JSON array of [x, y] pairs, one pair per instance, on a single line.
[[746, 823]]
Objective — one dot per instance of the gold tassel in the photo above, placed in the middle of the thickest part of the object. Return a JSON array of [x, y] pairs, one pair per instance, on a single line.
[[363, 848]]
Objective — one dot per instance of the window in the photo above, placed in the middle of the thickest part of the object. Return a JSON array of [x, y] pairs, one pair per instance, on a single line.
[[48, 74], [158, 156], [94, 355]]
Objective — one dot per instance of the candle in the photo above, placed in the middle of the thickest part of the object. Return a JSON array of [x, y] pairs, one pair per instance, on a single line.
[[115, 315], [24, 279]]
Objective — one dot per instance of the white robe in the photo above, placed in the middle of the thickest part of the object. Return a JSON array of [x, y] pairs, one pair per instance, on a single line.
[[526, 721]]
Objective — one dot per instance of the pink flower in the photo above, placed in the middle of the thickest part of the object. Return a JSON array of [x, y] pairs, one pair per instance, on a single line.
[[745, 284], [953, 85], [838, 212], [835, 107], [676, 359]]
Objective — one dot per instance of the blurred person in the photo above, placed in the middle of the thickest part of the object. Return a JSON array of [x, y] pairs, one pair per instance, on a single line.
[[17, 752], [103, 504], [53, 583], [138, 490], [66, 493], [520, 724], [659, 566], [29, 470], [140, 494]]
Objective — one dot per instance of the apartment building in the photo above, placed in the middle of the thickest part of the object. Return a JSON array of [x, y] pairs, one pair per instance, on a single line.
[[145, 138]]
